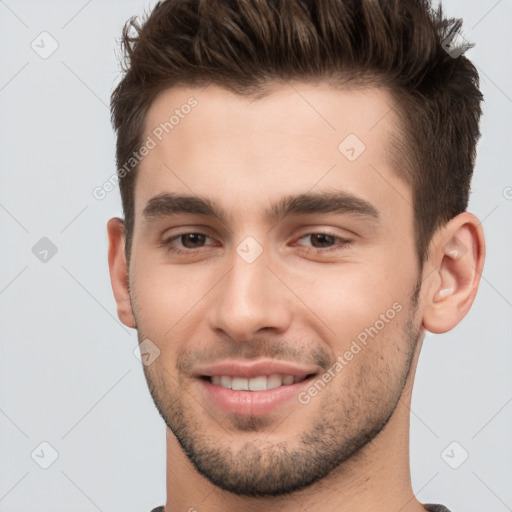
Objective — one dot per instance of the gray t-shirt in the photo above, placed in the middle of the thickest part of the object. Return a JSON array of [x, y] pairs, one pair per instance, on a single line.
[[430, 507]]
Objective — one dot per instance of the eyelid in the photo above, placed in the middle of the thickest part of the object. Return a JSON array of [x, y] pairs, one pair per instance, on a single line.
[[184, 229], [322, 232], [342, 243], [332, 226], [166, 240]]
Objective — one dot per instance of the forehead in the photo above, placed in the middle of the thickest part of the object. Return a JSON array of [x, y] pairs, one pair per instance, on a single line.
[[244, 152], [308, 109]]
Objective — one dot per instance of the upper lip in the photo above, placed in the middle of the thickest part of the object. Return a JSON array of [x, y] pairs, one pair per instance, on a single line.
[[253, 369]]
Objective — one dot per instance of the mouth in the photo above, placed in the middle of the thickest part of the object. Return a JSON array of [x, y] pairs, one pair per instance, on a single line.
[[255, 389], [258, 383]]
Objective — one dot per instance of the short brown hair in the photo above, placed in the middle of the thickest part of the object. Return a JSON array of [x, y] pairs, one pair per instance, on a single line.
[[246, 45]]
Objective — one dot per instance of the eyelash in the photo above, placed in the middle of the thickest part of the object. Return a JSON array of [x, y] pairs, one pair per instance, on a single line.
[[343, 243]]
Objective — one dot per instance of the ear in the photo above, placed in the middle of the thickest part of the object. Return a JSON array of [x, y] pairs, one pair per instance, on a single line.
[[119, 271], [457, 255]]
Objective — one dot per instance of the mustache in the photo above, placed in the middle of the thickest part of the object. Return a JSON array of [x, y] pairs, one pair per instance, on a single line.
[[260, 348]]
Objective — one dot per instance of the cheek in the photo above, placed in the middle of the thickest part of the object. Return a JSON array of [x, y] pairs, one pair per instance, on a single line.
[[163, 295], [351, 298]]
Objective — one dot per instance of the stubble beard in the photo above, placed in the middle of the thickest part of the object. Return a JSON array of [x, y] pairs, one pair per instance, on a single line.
[[350, 418]]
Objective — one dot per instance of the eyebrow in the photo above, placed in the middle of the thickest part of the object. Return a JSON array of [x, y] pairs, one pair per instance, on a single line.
[[339, 202]]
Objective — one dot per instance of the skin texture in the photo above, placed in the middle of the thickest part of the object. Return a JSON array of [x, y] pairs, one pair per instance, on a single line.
[[347, 448]]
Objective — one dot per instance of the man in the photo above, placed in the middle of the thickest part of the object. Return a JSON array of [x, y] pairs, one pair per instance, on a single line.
[[294, 178]]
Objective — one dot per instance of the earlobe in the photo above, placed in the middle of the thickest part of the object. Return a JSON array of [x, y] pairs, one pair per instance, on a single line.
[[458, 257], [119, 271]]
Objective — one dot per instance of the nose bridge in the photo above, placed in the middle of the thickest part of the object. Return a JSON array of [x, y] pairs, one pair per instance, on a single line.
[[249, 297]]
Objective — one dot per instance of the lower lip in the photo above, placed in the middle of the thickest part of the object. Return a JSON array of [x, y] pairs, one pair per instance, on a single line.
[[252, 403]]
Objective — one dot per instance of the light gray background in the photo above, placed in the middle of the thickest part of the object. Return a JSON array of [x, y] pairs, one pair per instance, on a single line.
[[68, 373]]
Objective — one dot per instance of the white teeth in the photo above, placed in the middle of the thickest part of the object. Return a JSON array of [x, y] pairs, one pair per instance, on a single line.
[[288, 380], [225, 382], [240, 384], [274, 381], [260, 383]]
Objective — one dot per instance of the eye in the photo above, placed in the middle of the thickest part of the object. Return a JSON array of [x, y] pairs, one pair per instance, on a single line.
[[321, 240], [189, 241]]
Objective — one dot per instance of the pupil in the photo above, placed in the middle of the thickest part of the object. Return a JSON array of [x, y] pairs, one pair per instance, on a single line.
[[197, 236], [326, 238]]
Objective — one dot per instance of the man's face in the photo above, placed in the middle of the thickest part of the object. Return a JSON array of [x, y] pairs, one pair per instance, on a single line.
[[315, 304]]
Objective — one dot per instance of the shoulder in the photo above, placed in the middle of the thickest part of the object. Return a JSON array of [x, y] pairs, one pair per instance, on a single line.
[[431, 507]]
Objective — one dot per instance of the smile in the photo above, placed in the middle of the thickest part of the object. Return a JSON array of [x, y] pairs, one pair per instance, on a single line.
[[259, 383]]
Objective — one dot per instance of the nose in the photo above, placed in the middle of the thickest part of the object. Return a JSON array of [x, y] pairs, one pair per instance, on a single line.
[[250, 298]]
